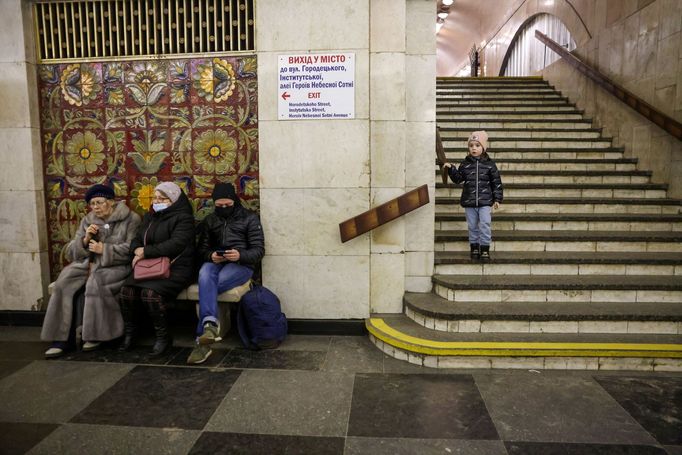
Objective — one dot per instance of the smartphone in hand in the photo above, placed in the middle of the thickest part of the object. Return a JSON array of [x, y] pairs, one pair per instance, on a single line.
[[220, 252]]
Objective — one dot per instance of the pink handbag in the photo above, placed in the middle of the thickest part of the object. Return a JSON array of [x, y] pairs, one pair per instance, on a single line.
[[152, 269]]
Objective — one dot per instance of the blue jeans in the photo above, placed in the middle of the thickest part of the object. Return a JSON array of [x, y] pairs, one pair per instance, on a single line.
[[213, 280], [478, 221]]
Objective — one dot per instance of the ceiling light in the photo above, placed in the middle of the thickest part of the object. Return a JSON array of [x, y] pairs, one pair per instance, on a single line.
[[447, 2], [442, 15]]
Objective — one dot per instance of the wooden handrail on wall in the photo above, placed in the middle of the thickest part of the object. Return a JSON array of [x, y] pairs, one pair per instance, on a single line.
[[384, 213], [670, 125]]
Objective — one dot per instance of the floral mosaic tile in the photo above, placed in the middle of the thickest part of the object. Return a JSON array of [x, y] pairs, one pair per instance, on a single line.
[[135, 124]]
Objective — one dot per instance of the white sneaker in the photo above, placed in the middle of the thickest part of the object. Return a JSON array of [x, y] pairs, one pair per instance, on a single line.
[[53, 352], [90, 345]]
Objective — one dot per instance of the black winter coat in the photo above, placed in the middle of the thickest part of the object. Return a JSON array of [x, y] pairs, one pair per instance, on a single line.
[[171, 233], [241, 231], [482, 182]]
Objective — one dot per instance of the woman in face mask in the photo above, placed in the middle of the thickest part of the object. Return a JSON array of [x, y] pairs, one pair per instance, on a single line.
[[166, 230]]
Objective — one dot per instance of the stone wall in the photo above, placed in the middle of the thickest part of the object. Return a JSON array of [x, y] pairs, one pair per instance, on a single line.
[[24, 270], [637, 45]]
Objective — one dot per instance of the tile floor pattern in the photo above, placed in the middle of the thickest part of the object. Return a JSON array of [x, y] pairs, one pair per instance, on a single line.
[[320, 395]]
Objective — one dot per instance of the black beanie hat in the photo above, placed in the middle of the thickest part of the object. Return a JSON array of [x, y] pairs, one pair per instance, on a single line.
[[224, 190], [99, 191]]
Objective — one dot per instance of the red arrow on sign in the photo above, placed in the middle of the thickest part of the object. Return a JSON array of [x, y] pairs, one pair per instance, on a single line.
[[285, 95]]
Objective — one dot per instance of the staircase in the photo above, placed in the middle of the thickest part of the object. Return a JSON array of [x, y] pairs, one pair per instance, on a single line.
[[587, 251]]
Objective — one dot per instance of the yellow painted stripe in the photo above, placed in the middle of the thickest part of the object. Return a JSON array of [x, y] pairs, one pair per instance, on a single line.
[[393, 337]]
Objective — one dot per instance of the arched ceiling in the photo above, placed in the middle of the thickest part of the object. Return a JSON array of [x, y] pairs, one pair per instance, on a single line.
[[469, 22]]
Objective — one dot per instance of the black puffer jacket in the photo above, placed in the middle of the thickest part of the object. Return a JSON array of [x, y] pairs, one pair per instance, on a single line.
[[171, 233], [241, 231], [482, 182]]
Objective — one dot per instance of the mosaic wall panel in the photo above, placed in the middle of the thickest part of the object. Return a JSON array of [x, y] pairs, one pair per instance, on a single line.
[[134, 124]]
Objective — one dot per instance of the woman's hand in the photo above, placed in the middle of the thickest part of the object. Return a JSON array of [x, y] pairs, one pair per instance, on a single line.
[[496, 205], [90, 232], [447, 165], [96, 247], [139, 254]]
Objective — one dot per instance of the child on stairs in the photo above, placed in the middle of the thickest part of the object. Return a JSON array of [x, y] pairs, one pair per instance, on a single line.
[[482, 189]]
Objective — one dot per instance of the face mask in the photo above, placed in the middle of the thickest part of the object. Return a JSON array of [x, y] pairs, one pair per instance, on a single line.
[[224, 212], [160, 206]]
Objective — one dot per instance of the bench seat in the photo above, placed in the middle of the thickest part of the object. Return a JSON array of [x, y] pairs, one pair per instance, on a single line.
[[191, 293]]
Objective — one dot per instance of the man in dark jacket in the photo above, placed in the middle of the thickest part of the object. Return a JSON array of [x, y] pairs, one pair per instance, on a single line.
[[231, 245]]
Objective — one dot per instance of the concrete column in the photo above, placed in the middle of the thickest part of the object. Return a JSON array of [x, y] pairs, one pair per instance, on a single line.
[[24, 272]]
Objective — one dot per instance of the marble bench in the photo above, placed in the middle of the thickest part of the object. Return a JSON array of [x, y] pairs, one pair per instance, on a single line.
[[191, 293]]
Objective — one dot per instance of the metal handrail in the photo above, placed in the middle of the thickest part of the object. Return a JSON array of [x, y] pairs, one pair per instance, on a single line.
[[669, 124]]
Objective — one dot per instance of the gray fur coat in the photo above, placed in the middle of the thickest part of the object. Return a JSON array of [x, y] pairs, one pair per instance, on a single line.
[[102, 315]]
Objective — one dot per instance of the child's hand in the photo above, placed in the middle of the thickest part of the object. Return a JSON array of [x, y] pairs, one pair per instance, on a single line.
[[496, 205], [447, 165]]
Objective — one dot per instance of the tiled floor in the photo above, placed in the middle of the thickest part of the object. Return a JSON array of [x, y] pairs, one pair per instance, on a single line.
[[320, 395]]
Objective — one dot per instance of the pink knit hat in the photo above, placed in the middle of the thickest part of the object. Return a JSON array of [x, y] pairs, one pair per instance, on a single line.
[[480, 137]]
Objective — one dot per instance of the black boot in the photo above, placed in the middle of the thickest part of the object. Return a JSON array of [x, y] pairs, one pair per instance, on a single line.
[[485, 253], [164, 340], [128, 326], [475, 252]]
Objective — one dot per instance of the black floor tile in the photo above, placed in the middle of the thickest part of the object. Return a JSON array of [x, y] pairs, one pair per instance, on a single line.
[[563, 448], [213, 360], [274, 359], [262, 444], [110, 353], [419, 406], [161, 397], [550, 406], [18, 438], [8, 367], [654, 402], [21, 350], [411, 446]]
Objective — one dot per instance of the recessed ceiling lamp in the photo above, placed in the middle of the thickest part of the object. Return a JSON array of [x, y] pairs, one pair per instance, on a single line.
[[443, 15], [447, 2]]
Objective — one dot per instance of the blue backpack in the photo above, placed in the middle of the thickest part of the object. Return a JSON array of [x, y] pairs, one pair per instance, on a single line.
[[260, 320]]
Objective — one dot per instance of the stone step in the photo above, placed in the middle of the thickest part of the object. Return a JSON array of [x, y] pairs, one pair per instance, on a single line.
[[499, 99], [400, 337], [623, 177], [462, 134], [560, 263], [498, 83], [489, 79], [559, 288], [536, 107], [494, 91], [437, 313], [566, 222], [510, 115], [606, 153], [574, 241], [519, 190], [559, 164], [456, 144], [573, 205], [530, 123]]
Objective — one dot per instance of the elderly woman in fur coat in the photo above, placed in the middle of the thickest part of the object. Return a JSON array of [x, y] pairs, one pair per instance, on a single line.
[[85, 294]]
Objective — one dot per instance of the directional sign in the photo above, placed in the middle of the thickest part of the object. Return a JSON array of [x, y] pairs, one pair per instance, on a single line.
[[316, 86]]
